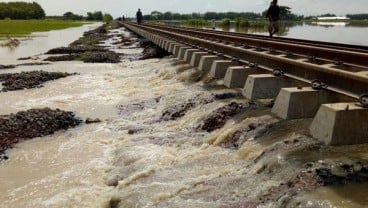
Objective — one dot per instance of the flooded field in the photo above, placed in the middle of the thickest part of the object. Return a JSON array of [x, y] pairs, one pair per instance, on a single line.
[[167, 138], [40, 42], [339, 32]]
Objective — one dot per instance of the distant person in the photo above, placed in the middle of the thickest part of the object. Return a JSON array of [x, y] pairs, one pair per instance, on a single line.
[[213, 22], [123, 18], [139, 16], [273, 14]]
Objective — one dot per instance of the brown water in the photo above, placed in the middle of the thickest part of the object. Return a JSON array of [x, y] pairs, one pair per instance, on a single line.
[[163, 164], [339, 32], [40, 42], [354, 195]]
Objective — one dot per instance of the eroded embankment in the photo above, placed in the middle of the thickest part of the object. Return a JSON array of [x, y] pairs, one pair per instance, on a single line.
[[179, 139], [254, 159], [33, 123]]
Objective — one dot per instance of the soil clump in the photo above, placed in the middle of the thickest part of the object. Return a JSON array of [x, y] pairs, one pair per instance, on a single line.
[[28, 80], [33, 123]]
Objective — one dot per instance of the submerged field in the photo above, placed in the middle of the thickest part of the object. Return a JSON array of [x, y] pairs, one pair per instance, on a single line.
[[19, 28]]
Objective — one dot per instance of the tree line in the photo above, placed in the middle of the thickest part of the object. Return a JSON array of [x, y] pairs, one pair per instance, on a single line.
[[358, 16], [91, 16], [21, 10], [285, 12], [24, 10]]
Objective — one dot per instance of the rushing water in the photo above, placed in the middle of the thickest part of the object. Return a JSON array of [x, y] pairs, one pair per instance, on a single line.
[[135, 159]]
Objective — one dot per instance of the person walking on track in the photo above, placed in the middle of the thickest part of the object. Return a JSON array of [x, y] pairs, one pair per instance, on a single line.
[[139, 16], [273, 14]]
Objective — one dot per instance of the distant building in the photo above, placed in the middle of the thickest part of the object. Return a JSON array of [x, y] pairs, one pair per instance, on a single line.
[[333, 18]]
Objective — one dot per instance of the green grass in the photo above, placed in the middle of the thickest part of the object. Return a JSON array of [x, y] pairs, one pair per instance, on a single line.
[[21, 28]]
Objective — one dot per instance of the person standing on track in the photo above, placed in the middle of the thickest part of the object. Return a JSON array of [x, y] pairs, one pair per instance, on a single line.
[[273, 14], [139, 16], [213, 23]]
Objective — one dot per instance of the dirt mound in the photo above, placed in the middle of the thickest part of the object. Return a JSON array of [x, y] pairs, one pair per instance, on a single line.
[[27, 80], [32, 123]]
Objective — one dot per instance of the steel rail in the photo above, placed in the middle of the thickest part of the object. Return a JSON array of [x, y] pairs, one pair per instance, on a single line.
[[341, 46], [323, 52], [346, 82]]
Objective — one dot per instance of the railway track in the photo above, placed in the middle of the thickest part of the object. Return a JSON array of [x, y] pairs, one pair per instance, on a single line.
[[252, 38], [343, 68], [334, 72]]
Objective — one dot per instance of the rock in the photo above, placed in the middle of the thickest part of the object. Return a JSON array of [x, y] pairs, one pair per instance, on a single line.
[[90, 120], [134, 130], [153, 52], [337, 174], [218, 118], [178, 111], [224, 96]]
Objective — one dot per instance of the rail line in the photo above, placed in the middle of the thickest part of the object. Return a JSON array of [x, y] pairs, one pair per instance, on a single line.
[[341, 67], [246, 61], [357, 48]]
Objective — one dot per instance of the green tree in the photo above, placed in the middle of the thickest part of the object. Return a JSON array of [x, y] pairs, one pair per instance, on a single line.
[[21, 10], [36, 11], [327, 15], [107, 17], [95, 16], [186, 16], [225, 22], [156, 15], [196, 15], [176, 16], [68, 15], [210, 15], [72, 16], [167, 16]]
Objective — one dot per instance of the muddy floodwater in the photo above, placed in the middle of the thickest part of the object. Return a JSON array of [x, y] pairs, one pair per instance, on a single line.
[[40, 42], [156, 145], [336, 32]]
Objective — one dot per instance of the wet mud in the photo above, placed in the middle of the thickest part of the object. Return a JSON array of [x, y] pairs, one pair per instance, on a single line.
[[90, 49]]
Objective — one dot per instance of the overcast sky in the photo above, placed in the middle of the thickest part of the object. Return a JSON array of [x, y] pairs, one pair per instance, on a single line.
[[128, 7]]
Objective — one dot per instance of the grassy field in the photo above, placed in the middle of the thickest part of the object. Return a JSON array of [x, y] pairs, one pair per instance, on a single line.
[[20, 28]]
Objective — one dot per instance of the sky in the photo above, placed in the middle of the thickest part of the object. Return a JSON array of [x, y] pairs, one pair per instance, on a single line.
[[118, 8]]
